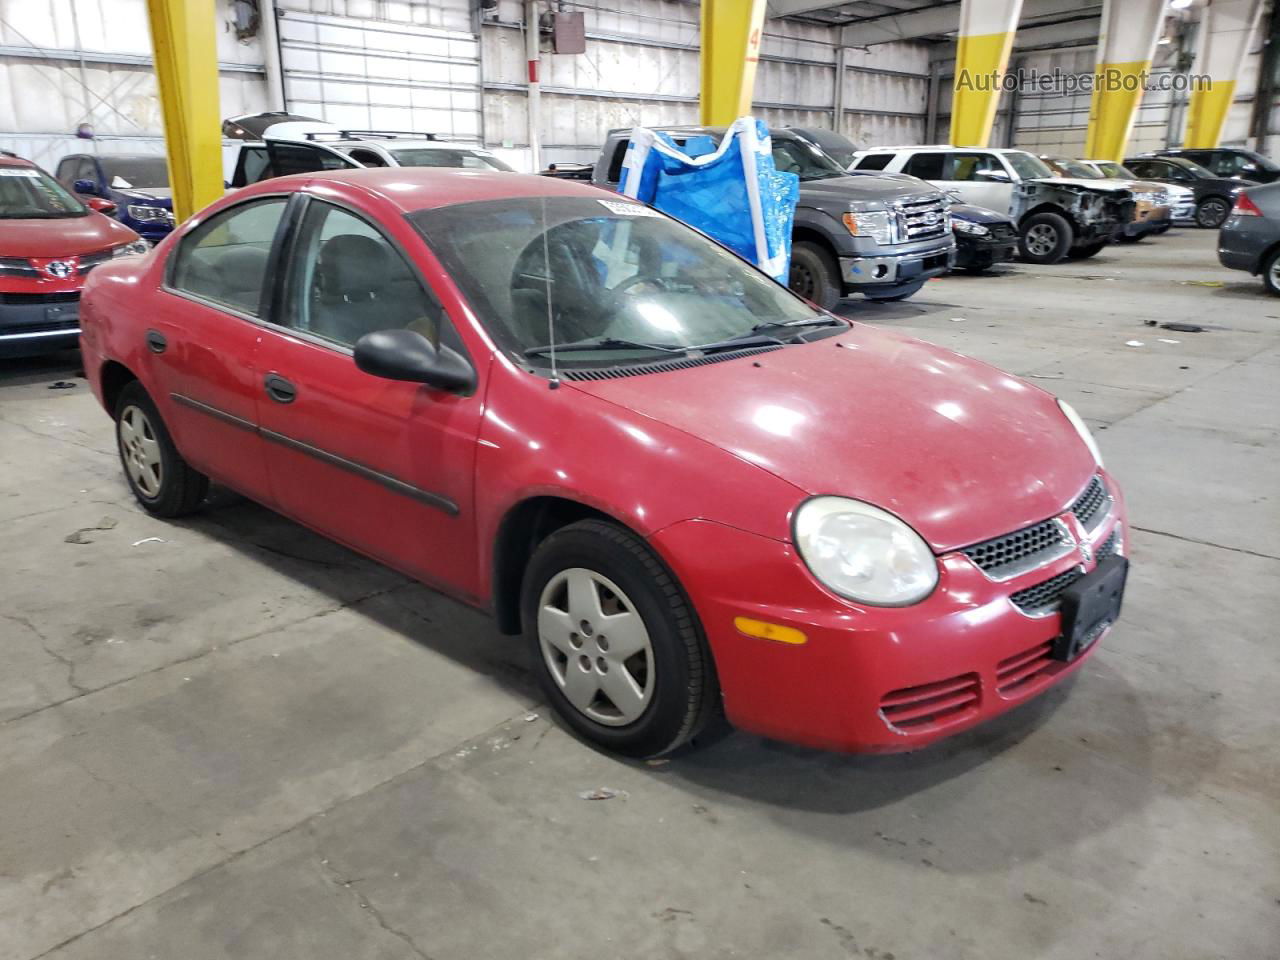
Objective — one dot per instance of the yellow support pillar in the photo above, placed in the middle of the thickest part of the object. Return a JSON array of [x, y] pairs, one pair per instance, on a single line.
[[1126, 46], [185, 50], [1226, 29], [982, 56], [730, 50]]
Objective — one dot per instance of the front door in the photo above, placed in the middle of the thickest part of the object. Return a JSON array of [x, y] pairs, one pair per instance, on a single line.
[[202, 342], [384, 466]]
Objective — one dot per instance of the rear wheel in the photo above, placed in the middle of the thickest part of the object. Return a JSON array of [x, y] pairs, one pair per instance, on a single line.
[[1271, 273], [158, 476], [615, 642], [1045, 238], [1212, 212], [815, 275]]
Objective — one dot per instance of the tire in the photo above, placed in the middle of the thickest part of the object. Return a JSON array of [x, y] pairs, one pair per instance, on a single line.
[[668, 683], [815, 275], [902, 294], [1271, 273], [1087, 250], [1045, 238], [1125, 238], [158, 476], [1212, 212]]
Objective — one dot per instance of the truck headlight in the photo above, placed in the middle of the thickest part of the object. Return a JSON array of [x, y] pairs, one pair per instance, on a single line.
[[1076, 421], [148, 214], [134, 248], [864, 553], [873, 224], [969, 227]]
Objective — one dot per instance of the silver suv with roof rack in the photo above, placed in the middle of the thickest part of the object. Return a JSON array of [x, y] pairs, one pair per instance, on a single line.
[[279, 144]]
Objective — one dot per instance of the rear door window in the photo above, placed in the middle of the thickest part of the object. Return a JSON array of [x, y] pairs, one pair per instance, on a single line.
[[874, 161], [926, 166]]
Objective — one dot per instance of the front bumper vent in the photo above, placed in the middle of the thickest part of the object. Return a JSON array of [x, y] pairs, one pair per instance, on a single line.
[[931, 704]]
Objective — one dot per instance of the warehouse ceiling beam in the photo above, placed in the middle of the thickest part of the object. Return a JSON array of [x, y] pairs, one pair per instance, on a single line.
[[982, 56], [943, 19], [1126, 46], [1226, 30], [730, 51], [185, 50]]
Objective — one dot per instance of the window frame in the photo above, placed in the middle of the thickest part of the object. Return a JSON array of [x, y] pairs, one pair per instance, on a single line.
[[289, 261], [268, 297]]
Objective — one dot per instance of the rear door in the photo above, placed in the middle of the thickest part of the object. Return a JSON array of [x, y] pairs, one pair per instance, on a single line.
[[202, 343], [384, 466]]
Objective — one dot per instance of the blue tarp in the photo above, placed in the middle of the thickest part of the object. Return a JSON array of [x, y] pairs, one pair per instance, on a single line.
[[731, 191]]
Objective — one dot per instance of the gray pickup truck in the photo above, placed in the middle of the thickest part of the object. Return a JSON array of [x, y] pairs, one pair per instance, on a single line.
[[879, 237]]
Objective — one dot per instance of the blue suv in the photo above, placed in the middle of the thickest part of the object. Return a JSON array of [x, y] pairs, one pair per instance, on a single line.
[[138, 184]]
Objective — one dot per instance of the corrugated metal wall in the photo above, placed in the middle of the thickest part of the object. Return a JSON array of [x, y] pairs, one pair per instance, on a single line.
[[67, 62]]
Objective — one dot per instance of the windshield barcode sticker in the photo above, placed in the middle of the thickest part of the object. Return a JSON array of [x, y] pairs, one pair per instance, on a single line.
[[630, 209]]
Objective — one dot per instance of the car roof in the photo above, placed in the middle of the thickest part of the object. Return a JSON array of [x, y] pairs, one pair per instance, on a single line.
[[425, 188], [11, 160], [390, 143]]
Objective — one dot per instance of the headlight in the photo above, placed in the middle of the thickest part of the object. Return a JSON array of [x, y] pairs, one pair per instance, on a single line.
[[864, 553], [149, 214], [875, 224], [1081, 428], [968, 226], [135, 248]]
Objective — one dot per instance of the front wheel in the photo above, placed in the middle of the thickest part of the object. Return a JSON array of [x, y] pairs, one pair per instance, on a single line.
[[615, 642], [1212, 212], [815, 275], [1271, 273], [163, 483], [1045, 238]]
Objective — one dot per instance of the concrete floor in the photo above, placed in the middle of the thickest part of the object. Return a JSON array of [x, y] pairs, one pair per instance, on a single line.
[[228, 737]]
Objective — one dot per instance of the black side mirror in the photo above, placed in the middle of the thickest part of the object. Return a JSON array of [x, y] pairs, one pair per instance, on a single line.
[[408, 355], [87, 187]]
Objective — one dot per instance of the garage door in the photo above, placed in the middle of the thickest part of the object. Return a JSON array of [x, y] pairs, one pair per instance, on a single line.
[[375, 75]]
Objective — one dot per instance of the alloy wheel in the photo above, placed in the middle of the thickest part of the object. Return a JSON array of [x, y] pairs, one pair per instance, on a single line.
[[1212, 213], [1041, 239], [140, 451], [596, 646]]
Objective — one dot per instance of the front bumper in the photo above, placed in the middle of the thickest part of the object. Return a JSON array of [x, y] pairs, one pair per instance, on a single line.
[[870, 679], [32, 324], [910, 263], [973, 251]]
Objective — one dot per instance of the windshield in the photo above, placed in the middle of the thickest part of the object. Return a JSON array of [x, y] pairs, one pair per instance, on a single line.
[[804, 159], [1028, 167], [1074, 168], [1115, 171], [124, 173], [30, 194], [436, 157], [602, 270]]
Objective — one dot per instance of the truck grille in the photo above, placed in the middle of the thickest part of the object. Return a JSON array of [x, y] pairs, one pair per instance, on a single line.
[[922, 219]]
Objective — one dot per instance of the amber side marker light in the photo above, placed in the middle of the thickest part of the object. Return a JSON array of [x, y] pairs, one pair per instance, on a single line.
[[769, 631]]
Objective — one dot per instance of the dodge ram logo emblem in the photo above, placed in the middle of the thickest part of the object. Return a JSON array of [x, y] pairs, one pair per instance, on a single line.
[[61, 269]]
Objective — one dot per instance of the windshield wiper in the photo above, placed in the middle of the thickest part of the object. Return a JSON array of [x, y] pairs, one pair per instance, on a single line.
[[605, 343], [819, 321]]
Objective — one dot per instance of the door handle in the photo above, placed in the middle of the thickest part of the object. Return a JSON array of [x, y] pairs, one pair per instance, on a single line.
[[156, 341], [279, 389]]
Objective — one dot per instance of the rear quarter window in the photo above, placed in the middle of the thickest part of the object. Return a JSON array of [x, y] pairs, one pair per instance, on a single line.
[[874, 161]]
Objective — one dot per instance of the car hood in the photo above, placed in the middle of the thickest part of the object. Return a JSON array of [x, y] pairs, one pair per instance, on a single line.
[[968, 211], [1105, 186], [843, 189], [67, 237], [958, 449], [151, 196]]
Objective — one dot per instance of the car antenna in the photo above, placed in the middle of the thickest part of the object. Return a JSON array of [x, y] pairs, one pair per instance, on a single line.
[[554, 383]]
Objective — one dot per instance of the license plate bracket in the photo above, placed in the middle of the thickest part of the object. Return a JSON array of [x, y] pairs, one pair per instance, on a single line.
[[1089, 606]]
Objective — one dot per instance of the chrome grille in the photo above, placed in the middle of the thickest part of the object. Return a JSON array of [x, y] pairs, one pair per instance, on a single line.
[[1044, 597], [1093, 505], [922, 219], [1020, 551]]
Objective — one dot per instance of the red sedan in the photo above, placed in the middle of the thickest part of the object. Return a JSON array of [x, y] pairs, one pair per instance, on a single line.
[[49, 240], [688, 488]]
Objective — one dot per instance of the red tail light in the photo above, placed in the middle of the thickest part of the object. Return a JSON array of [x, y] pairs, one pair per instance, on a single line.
[[1245, 207]]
